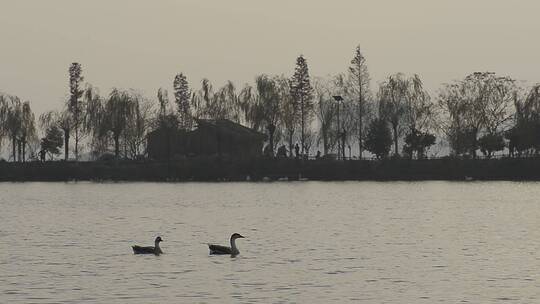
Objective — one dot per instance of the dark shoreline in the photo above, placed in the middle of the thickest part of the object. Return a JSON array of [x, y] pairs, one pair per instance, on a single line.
[[214, 169]]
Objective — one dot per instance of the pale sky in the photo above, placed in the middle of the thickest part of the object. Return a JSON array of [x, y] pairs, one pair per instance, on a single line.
[[143, 44]]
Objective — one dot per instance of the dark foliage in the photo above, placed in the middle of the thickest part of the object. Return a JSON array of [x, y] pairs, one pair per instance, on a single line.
[[53, 141], [417, 142], [490, 143], [378, 138]]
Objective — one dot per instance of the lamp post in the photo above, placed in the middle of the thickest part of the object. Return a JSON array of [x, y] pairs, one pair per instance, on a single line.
[[338, 98]]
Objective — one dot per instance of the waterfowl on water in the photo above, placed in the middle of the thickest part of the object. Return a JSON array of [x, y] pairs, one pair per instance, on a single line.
[[233, 250], [149, 249]]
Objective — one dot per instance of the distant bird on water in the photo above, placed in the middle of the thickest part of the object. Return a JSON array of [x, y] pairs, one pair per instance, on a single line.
[[233, 250], [149, 250]]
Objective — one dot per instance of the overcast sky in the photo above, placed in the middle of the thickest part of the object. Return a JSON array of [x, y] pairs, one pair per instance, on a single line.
[[143, 44]]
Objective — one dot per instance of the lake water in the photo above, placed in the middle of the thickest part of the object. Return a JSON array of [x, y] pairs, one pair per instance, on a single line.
[[307, 242]]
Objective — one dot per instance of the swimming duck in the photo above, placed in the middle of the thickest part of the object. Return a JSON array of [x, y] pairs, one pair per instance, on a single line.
[[149, 250], [233, 250]]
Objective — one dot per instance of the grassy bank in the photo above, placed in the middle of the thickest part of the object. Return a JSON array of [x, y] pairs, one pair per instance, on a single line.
[[212, 169]]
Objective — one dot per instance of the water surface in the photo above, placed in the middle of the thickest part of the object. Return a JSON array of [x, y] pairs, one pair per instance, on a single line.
[[308, 242]]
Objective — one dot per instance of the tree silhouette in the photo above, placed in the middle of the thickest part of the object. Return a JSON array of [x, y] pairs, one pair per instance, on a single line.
[[418, 142], [302, 93], [75, 105], [478, 104], [269, 103], [28, 127], [182, 96], [52, 142], [289, 112], [118, 110], [392, 105], [378, 138], [359, 83], [325, 110]]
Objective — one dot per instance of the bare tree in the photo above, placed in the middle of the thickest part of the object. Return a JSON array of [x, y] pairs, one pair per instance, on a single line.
[[137, 125]]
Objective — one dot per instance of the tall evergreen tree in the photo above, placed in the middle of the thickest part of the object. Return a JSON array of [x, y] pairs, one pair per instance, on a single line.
[[378, 138], [302, 92], [359, 80], [75, 105], [182, 95]]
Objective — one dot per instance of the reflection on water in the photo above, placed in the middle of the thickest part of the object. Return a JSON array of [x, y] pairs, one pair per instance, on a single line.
[[308, 242]]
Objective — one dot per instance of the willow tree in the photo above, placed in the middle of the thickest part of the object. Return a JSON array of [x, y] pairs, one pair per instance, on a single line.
[[480, 104], [421, 115], [3, 116], [269, 102], [522, 136], [359, 84], [75, 104], [164, 106], [302, 93], [392, 104], [225, 104], [182, 98], [252, 114], [325, 111], [118, 109], [138, 125], [94, 118], [201, 99], [346, 113], [13, 123], [289, 111], [28, 127], [221, 104], [65, 122]]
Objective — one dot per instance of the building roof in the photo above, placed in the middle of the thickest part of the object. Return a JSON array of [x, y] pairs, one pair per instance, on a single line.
[[230, 127]]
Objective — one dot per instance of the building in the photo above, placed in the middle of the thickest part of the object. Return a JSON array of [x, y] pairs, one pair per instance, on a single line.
[[212, 137]]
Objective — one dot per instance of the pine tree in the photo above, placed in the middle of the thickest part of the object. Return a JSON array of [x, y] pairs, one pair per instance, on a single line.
[[359, 78], [182, 95], [75, 105], [302, 93]]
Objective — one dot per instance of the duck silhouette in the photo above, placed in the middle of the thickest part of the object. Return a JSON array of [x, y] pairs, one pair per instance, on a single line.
[[233, 250], [149, 249]]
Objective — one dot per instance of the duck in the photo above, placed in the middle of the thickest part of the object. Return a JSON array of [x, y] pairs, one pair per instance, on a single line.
[[149, 249], [233, 250]]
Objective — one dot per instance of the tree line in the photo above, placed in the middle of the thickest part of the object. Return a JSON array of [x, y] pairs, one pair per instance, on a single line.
[[483, 112]]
